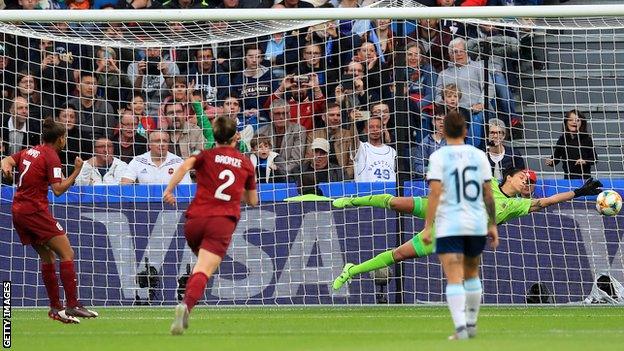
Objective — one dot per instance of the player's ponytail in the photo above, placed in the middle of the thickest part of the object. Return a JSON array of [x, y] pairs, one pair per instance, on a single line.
[[52, 131], [224, 130]]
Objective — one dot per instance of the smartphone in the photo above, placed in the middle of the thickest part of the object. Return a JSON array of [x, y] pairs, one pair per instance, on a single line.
[[364, 116], [347, 82], [302, 78]]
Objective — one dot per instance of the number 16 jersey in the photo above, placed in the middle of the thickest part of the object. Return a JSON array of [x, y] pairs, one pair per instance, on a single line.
[[462, 170], [222, 174]]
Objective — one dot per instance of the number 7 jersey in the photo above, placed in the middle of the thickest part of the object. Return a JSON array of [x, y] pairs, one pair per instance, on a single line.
[[462, 170], [222, 174]]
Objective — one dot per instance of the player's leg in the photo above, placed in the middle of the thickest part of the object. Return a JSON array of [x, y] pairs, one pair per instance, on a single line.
[[450, 253], [61, 246], [416, 206], [50, 281], [472, 283], [411, 249]]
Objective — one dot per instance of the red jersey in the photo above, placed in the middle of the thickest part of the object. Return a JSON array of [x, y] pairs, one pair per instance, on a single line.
[[38, 167], [222, 175]]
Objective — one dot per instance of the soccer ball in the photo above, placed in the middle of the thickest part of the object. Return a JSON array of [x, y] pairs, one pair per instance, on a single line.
[[608, 203]]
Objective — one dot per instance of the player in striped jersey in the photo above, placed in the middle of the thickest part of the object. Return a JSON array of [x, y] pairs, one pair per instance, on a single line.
[[507, 202]]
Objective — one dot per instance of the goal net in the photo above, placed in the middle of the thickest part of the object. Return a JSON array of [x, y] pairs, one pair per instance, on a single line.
[[324, 108]]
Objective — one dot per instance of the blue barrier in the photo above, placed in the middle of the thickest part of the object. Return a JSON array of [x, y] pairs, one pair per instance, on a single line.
[[276, 192]]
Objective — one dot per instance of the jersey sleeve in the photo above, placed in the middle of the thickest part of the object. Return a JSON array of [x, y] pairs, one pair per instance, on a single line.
[[54, 168], [250, 182], [514, 208], [486, 170], [435, 167]]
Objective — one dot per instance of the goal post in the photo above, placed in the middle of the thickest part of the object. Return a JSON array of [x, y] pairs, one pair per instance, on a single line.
[[360, 89]]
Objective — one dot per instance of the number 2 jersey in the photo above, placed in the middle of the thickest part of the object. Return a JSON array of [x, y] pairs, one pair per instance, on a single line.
[[222, 174], [462, 170], [38, 168]]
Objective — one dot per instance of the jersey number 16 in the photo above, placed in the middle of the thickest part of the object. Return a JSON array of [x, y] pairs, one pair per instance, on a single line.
[[462, 182]]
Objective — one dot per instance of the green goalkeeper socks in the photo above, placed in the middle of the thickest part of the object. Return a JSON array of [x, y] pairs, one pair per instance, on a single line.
[[382, 260], [379, 201]]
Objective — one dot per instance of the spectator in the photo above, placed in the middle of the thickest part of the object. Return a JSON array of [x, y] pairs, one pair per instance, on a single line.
[[270, 166], [142, 4], [287, 138], [153, 76], [181, 92], [253, 84], [185, 4], [451, 96], [434, 40], [374, 160], [18, 130], [116, 85], [231, 109], [351, 91], [103, 167], [57, 76], [469, 78], [499, 156], [575, 148], [304, 97], [77, 145], [203, 72], [382, 110], [318, 169], [421, 79], [7, 74], [432, 142], [155, 166], [341, 141], [27, 88], [129, 142], [377, 79], [95, 116], [312, 62], [137, 107], [186, 138], [381, 35], [296, 4]]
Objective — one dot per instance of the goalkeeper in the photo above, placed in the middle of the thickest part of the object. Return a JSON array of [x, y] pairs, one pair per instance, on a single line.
[[507, 202]]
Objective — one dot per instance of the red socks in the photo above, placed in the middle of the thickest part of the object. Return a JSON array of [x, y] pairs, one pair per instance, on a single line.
[[68, 277], [195, 289], [48, 274]]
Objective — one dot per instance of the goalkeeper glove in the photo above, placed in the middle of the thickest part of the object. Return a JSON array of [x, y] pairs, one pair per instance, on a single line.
[[591, 187]]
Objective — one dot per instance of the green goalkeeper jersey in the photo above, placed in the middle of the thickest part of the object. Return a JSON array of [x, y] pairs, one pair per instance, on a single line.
[[508, 208]]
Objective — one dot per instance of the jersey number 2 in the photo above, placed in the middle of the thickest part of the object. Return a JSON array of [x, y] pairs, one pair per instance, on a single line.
[[230, 179], [26, 164]]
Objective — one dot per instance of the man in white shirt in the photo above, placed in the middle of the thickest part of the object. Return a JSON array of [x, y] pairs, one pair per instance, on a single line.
[[19, 131], [155, 166], [374, 160], [102, 168]]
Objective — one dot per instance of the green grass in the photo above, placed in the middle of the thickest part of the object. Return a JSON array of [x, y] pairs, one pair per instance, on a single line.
[[325, 328]]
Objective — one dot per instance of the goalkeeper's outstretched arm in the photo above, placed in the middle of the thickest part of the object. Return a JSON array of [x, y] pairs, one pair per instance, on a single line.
[[591, 187]]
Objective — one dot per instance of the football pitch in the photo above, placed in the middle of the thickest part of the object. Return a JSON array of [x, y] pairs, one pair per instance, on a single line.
[[325, 328]]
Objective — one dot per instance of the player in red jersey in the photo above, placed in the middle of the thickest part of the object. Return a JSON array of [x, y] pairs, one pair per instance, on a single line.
[[39, 167], [224, 178]]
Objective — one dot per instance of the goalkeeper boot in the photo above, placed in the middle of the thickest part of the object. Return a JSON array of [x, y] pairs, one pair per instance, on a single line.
[[472, 330], [180, 322], [343, 202], [343, 277], [61, 316], [80, 311]]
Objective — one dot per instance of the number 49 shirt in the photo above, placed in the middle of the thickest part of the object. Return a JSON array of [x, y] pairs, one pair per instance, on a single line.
[[222, 175], [462, 169]]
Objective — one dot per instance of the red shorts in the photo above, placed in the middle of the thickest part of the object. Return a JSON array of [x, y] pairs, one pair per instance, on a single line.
[[210, 233], [36, 228]]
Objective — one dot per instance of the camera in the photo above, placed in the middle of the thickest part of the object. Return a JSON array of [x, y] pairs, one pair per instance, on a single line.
[[152, 66]]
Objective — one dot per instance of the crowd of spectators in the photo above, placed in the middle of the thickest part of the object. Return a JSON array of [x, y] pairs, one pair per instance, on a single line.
[[312, 105]]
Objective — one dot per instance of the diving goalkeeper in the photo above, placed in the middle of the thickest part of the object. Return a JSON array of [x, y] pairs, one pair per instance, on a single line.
[[508, 203]]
